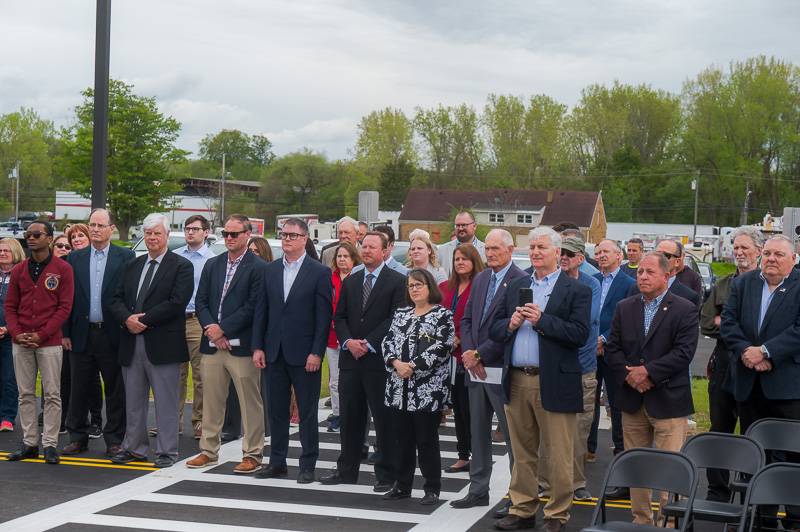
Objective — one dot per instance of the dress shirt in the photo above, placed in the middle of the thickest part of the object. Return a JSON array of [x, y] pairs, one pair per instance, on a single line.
[[670, 281], [230, 270], [146, 266], [500, 275], [35, 268], [587, 355], [290, 271], [587, 268], [198, 258], [526, 344], [766, 299], [98, 258], [608, 279], [650, 309], [375, 273]]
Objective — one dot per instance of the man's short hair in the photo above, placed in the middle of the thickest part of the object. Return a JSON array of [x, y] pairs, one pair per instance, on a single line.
[[347, 219], [363, 224], [504, 235], [111, 220], [782, 238], [382, 236], [297, 222], [613, 243], [747, 230], [539, 232], [636, 240], [242, 219], [205, 224], [386, 230], [663, 263], [48, 227], [471, 216], [154, 219]]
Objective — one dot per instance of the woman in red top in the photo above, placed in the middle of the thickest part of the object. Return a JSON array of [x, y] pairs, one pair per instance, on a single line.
[[467, 263], [346, 257]]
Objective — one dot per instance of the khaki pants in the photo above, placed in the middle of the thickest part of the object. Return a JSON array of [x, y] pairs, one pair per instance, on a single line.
[[218, 371], [642, 430], [530, 426], [27, 362], [193, 335]]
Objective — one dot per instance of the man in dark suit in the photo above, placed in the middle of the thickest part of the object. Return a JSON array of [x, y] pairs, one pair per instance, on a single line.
[[669, 248], [653, 340], [151, 303], [614, 288], [481, 352], [542, 338], [363, 315], [290, 333], [92, 335], [687, 276], [227, 297]]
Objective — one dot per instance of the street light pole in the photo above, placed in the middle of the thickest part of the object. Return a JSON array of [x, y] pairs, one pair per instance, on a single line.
[[15, 176], [222, 194], [102, 55], [696, 187]]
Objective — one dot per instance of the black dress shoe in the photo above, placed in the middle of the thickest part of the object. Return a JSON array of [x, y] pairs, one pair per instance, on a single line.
[[503, 510], [618, 493], [272, 471], [164, 460], [74, 447], [125, 457], [333, 479], [515, 522], [429, 498], [382, 487], [396, 494], [51, 455], [470, 501], [111, 450], [24, 453], [453, 469], [305, 477]]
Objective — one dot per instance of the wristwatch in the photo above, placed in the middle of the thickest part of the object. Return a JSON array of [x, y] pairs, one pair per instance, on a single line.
[[477, 355], [764, 351]]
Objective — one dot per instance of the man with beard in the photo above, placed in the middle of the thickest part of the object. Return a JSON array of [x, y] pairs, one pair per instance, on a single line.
[[465, 234]]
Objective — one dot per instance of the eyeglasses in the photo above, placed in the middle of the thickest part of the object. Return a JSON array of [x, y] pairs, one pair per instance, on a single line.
[[567, 253], [463, 226], [290, 236], [34, 234], [61, 245], [416, 286], [98, 226], [232, 234], [193, 229]]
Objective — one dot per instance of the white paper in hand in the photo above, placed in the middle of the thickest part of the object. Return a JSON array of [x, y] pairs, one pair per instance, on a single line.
[[493, 376]]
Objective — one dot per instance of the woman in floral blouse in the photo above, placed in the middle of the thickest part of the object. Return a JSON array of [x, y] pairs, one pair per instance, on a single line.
[[417, 353]]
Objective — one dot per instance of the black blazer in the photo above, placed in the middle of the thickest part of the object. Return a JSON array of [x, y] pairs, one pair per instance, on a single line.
[[666, 352], [563, 329], [298, 326], [77, 327], [164, 309], [240, 301], [372, 322], [780, 333], [677, 288]]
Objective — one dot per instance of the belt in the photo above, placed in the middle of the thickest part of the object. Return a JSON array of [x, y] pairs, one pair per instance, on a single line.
[[528, 370], [190, 315], [96, 325]]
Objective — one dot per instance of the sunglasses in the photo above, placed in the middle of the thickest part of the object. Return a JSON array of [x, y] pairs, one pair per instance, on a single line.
[[61, 245], [567, 253], [34, 234], [232, 234], [669, 256]]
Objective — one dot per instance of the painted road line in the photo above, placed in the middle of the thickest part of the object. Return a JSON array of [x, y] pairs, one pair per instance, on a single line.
[[163, 524], [96, 460]]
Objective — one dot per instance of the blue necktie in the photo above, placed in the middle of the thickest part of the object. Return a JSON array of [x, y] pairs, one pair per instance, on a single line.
[[489, 295]]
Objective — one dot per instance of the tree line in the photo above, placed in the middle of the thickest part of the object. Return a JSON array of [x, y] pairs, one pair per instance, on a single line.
[[734, 129]]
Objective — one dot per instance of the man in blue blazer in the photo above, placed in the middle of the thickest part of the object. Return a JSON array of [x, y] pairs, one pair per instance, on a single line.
[[614, 288], [226, 299], [542, 380], [92, 335], [290, 334]]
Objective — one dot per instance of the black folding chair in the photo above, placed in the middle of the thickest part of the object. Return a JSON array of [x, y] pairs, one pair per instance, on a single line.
[[716, 450], [650, 469], [773, 434], [775, 484]]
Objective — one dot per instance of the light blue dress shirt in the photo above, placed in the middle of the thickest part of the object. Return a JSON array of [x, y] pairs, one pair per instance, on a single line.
[[766, 299], [98, 259], [526, 344], [650, 309], [587, 355], [587, 268], [198, 258], [606, 285]]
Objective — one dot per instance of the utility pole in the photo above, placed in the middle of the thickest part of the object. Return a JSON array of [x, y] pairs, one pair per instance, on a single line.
[[743, 218], [222, 194], [696, 188], [15, 175], [102, 55]]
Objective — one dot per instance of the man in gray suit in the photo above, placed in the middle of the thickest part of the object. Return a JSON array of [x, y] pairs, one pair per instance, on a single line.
[[479, 353], [465, 234]]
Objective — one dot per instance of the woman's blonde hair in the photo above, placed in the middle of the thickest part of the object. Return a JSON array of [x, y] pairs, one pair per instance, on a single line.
[[433, 259], [17, 253]]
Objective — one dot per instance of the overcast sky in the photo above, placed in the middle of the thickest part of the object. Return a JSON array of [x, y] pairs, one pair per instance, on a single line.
[[304, 72]]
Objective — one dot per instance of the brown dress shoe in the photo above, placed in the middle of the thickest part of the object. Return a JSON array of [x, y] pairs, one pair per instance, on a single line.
[[200, 461], [515, 522], [247, 466], [553, 525], [74, 448]]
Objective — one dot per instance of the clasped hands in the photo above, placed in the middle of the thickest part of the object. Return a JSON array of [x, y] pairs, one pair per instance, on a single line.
[[638, 378], [404, 369], [31, 340], [754, 358], [473, 365], [531, 312], [134, 325], [357, 348]]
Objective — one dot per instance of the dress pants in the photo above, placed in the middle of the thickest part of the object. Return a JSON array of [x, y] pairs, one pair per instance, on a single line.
[[9, 394], [282, 377], [359, 389], [642, 430], [194, 334], [603, 375], [47, 361], [332, 354], [219, 370], [100, 355], [531, 426], [724, 414], [139, 377], [417, 436], [93, 390], [485, 400], [460, 397]]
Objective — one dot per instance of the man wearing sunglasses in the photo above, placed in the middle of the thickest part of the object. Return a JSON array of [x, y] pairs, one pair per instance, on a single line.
[[38, 303]]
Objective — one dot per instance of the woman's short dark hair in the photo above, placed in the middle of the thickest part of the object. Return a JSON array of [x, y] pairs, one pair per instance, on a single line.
[[351, 250], [470, 252], [424, 276]]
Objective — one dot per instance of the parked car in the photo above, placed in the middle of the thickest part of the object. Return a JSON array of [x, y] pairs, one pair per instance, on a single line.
[[708, 277], [176, 240]]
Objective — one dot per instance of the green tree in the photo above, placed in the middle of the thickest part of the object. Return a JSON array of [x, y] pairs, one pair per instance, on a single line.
[[238, 147], [303, 182], [393, 184], [141, 151], [385, 137]]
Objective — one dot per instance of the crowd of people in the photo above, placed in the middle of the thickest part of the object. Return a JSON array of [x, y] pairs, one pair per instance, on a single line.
[[457, 327]]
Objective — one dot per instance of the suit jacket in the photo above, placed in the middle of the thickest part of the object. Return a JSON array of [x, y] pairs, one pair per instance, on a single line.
[[690, 279], [475, 326], [371, 322], [299, 325], [616, 292], [164, 309], [677, 288], [77, 327], [241, 300], [779, 332], [666, 352], [563, 329]]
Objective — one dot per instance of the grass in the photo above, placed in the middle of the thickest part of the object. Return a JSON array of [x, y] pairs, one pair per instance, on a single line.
[[722, 268], [700, 398]]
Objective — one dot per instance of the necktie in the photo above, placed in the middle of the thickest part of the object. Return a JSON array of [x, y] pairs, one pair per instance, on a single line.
[[367, 289], [145, 285], [490, 294]]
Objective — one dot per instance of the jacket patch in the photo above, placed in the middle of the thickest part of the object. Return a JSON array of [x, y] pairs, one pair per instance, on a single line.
[[52, 281]]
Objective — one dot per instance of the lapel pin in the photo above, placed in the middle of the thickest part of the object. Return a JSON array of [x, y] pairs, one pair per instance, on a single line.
[[783, 290], [504, 285], [664, 309]]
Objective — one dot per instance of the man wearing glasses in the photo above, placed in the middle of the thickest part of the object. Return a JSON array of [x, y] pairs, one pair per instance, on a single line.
[[465, 234], [38, 303], [196, 250], [290, 334], [94, 342]]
